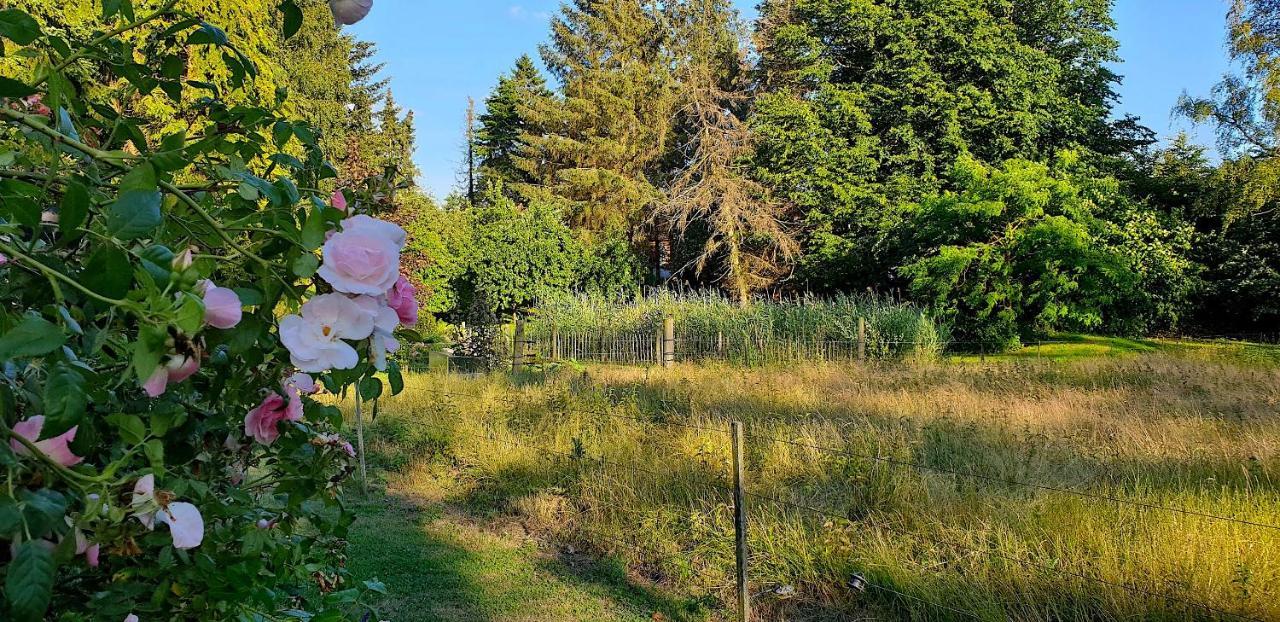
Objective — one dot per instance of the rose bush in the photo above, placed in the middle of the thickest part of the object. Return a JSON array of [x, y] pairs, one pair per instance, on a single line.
[[169, 304]]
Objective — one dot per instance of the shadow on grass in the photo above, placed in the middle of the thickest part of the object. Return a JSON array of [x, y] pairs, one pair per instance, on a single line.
[[493, 495], [428, 578], [448, 557]]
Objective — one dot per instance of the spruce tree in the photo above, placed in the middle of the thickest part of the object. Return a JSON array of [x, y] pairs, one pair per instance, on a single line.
[[504, 124], [599, 149], [394, 142]]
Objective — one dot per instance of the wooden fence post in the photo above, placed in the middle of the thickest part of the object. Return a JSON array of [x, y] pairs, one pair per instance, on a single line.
[[668, 341], [862, 339], [740, 522], [517, 347], [364, 473]]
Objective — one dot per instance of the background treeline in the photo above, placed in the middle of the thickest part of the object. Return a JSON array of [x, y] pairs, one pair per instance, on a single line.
[[961, 154]]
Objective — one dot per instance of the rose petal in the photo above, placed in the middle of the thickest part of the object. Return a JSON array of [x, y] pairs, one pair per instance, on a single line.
[[156, 385], [185, 524], [222, 307]]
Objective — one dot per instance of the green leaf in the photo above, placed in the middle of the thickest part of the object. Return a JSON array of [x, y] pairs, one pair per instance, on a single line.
[[141, 177], [34, 336], [249, 296], [14, 88], [292, 18], [107, 272], [370, 388], [305, 265], [42, 510], [28, 585], [313, 230], [147, 351], [131, 427], [122, 7], [10, 518], [157, 260], [21, 202], [208, 34], [190, 317], [281, 132], [154, 449], [64, 400], [74, 209], [18, 27], [135, 214], [395, 378]]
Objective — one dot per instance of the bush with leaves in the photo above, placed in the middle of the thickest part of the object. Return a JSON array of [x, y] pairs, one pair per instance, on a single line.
[[167, 305], [1018, 251]]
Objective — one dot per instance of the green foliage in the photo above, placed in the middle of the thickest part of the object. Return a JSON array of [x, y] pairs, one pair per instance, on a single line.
[[757, 332], [161, 138], [867, 105], [1028, 249], [519, 254], [505, 123], [439, 251]]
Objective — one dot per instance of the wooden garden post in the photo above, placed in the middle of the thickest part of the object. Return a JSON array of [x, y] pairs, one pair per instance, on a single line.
[[517, 347], [668, 341], [862, 339]]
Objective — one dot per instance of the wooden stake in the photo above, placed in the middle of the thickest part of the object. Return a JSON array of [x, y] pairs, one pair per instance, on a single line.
[[740, 522], [364, 473]]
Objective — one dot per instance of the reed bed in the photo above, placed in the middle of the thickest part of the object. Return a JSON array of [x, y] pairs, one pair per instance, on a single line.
[[711, 326]]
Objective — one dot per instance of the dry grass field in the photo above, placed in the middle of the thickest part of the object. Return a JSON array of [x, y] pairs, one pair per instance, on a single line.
[[1136, 486]]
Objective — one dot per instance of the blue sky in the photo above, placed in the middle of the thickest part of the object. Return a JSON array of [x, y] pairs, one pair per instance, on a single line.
[[439, 53]]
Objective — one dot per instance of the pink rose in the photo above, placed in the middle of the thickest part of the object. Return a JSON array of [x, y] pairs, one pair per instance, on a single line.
[[88, 549], [222, 307], [143, 504], [364, 258], [183, 260], [3, 260], [55, 448], [177, 368], [348, 12], [36, 102], [339, 200], [402, 298], [262, 423]]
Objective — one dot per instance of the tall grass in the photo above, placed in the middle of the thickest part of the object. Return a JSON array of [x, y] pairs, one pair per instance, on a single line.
[[710, 325], [633, 463]]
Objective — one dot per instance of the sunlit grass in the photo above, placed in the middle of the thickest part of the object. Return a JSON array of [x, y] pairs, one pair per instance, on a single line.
[[1157, 423]]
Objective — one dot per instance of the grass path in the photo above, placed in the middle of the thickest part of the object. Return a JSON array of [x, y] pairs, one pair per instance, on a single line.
[[440, 564]]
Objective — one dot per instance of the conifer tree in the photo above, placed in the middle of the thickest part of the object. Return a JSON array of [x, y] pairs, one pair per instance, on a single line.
[[504, 124], [742, 240], [395, 142], [601, 143]]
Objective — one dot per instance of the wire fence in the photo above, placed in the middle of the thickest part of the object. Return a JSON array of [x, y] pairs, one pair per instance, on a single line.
[[752, 501]]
